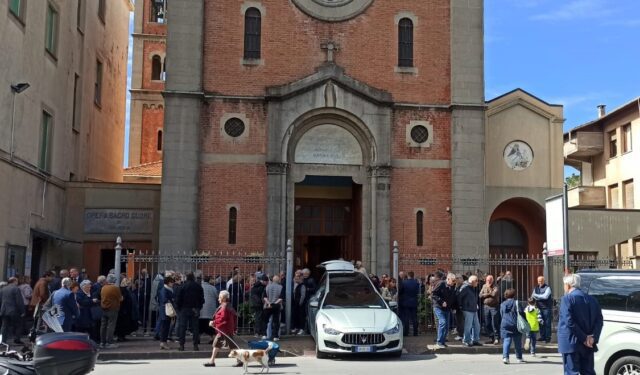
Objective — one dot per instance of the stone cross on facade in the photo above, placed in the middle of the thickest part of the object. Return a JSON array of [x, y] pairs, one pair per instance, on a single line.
[[330, 46]]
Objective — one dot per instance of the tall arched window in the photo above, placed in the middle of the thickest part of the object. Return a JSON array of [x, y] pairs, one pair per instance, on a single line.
[[405, 43], [156, 67], [419, 228], [252, 31], [159, 140], [233, 217]]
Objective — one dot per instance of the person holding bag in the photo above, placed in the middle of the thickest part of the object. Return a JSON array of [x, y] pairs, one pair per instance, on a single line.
[[511, 326], [166, 309]]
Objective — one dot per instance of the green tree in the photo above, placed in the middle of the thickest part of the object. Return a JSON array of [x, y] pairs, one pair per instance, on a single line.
[[573, 180]]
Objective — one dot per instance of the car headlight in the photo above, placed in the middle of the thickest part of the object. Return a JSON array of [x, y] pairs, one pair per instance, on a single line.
[[393, 330], [330, 331]]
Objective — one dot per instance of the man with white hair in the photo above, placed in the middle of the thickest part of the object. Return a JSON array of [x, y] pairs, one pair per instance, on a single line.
[[468, 303], [67, 305], [579, 328]]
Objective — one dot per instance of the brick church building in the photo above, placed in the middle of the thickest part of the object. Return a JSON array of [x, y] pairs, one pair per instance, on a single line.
[[343, 125]]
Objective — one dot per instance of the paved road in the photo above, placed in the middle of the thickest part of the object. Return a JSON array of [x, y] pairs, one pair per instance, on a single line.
[[451, 364]]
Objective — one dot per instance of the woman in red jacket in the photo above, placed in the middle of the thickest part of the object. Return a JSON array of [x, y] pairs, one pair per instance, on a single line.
[[225, 323]]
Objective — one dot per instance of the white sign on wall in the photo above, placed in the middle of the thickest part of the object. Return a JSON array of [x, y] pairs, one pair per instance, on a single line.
[[555, 226], [328, 144], [118, 221]]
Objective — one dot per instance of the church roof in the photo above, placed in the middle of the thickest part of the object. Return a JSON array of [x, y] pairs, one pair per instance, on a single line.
[[153, 169]]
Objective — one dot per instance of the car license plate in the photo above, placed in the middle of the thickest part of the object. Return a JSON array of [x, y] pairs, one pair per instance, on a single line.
[[364, 349]]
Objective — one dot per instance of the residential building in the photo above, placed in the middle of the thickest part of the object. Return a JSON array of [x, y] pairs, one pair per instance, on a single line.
[[606, 151], [63, 72]]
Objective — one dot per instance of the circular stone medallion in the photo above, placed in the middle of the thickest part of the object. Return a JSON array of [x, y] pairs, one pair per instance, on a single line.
[[518, 155], [333, 10]]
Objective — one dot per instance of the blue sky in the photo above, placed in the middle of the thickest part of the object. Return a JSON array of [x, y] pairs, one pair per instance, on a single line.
[[578, 53]]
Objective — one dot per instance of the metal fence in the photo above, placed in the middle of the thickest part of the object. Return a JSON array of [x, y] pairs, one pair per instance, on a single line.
[[233, 271], [519, 272]]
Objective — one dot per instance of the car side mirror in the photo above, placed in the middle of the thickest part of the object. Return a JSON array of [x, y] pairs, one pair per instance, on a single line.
[[313, 304]]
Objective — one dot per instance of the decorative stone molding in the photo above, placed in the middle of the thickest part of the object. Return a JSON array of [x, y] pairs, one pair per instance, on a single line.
[[253, 4], [413, 143], [379, 171], [277, 168], [333, 10], [247, 126]]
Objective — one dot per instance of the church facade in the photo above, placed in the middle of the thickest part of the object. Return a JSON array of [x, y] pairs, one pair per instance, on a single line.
[[343, 125]]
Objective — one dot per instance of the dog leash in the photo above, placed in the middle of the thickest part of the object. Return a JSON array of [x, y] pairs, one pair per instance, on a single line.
[[229, 338]]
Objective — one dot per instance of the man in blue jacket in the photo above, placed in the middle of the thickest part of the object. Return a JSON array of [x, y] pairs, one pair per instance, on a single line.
[[544, 301], [579, 328], [409, 303], [67, 305], [468, 303]]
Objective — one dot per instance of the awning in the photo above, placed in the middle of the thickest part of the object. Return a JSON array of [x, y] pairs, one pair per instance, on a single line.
[[53, 236]]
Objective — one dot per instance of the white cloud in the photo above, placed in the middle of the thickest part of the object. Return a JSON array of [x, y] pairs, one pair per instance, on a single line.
[[577, 9]]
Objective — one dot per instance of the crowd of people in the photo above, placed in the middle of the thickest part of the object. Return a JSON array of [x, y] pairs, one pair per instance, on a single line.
[[174, 303]]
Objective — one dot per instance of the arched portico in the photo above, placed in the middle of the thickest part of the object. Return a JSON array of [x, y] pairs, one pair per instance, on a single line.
[[517, 227]]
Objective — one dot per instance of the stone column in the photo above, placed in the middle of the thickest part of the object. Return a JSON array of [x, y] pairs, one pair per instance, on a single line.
[[183, 103], [380, 257], [276, 208], [469, 228]]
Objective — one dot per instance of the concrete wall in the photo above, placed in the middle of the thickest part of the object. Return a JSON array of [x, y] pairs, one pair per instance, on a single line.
[[599, 230], [467, 129], [82, 196], [183, 102]]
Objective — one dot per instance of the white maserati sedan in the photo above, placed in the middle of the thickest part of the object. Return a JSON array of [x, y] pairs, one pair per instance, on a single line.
[[348, 315]]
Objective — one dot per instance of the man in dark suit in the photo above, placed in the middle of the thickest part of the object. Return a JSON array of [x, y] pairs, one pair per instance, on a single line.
[[579, 328], [11, 310], [409, 303]]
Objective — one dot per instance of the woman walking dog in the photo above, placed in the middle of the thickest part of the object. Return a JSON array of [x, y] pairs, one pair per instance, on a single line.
[[224, 323]]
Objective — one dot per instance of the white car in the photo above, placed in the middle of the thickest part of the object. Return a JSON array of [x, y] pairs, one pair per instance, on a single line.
[[618, 293], [348, 315]]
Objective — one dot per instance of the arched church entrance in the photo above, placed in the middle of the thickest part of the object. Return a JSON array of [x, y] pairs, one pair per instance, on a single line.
[[517, 232], [329, 185], [517, 227]]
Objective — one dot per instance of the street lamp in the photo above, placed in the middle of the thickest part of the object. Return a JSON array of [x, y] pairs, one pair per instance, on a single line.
[[15, 89]]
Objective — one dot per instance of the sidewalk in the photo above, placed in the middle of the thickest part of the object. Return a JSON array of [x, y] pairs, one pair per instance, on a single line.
[[139, 348]]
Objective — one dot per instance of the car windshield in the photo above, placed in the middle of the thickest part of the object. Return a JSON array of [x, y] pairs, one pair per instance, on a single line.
[[352, 290]]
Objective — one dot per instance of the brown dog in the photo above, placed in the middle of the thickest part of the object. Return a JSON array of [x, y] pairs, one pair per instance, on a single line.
[[247, 356]]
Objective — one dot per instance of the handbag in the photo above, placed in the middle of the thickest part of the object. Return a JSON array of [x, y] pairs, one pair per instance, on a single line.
[[522, 323], [169, 311]]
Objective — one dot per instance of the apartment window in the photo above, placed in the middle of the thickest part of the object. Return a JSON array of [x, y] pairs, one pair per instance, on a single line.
[[159, 141], [233, 217], [627, 191], [76, 88], [613, 196], [405, 43], [51, 28], [252, 30], [98, 86], [44, 157], [626, 138], [156, 68], [419, 228], [613, 144], [158, 9], [102, 10], [17, 8]]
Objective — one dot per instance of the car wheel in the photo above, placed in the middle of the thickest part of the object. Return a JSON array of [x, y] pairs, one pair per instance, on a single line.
[[397, 354], [319, 354], [625, 366]]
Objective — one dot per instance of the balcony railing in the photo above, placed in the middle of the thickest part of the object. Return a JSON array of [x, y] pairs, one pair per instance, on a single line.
[[587, 197]]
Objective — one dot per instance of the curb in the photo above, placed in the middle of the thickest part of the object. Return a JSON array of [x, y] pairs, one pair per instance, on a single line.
[[482, 350], [170, 354]]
